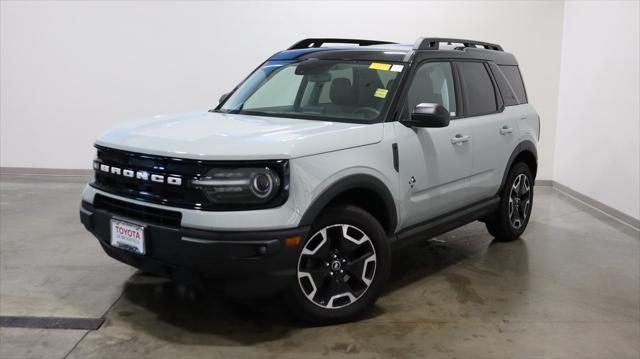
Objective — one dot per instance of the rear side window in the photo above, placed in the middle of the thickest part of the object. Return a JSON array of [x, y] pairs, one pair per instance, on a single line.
[[512, 73], [508, 95], [479, 94]]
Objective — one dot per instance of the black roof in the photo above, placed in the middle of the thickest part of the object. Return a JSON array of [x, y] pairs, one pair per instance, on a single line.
[[374, 50]]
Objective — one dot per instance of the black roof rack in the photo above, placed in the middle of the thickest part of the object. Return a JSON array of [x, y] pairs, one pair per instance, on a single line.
[[307, 43], [433, 43]]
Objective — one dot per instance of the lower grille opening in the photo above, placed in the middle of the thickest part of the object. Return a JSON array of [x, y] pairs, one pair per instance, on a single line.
[[134, 211]]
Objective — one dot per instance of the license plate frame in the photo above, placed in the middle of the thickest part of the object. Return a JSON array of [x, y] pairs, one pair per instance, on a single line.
[[128, 235]]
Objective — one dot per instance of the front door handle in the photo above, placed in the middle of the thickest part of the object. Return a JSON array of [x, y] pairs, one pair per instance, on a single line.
[[460, 139], [506, 130]]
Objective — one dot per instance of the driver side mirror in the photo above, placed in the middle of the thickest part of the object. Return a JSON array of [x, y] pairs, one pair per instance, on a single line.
[[223, 97], [428, 115]]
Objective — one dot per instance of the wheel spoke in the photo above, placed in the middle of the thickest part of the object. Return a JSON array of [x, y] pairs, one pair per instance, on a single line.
[[335, 238], [524, 186], [352, 240], [515, 217], [364, 272], [516, 186], [318, 275], [320, 246], [324, 291], [511, 207], [349, 248], [336, 286], [357, 265], [525, 208], [331, 288]]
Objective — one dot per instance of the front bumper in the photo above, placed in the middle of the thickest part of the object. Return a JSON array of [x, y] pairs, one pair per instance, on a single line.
[[246, 263]]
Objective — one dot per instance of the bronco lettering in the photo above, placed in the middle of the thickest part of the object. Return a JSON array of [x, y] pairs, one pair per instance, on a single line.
[[139, 175]]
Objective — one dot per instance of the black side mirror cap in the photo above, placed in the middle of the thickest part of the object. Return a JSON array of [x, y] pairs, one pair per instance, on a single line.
[[223, 97], [428, 115]]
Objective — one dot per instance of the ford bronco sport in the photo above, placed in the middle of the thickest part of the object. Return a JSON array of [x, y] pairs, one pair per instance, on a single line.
[[305, 176]]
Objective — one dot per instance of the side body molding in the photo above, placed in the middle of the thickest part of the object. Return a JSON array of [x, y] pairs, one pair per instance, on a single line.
[[357, 181]]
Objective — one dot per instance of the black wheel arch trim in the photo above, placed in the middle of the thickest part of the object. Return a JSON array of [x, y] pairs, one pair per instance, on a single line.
[[524, 146], [357, 181]]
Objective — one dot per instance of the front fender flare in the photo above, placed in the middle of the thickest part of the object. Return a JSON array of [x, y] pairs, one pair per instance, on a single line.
[[362, 181]]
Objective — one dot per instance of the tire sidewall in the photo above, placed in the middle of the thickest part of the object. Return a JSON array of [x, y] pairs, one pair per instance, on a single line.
[[365, 222]]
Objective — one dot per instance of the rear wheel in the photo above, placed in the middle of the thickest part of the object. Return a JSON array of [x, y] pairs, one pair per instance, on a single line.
[[516, 199], [341, 268]]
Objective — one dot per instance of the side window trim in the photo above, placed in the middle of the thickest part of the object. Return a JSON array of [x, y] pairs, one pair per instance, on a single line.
[[499, 101], [462, 111], [496, 89], [460, 106]]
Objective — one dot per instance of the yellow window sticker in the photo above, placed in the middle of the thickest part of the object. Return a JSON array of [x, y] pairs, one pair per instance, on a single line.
[[382, 93], [379, 66]]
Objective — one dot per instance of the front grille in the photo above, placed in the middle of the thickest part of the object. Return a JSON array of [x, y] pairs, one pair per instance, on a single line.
[[183, 195], [134, 211]]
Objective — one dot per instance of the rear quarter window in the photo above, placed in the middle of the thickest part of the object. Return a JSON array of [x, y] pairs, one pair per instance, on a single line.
[[512, 73], [508, 94]]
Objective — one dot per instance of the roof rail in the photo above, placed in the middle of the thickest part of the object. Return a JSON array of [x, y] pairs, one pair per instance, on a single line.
[[433, 43], [318, 42]]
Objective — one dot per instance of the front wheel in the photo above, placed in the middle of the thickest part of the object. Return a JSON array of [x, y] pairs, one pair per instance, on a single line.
[[342, 267], [516, 198]]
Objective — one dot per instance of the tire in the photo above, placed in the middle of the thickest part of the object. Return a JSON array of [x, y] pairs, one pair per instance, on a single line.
[[342, 267], [510, 219]]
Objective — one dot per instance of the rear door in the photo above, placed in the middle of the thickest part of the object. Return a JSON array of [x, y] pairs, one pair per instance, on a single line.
[[494, 130]]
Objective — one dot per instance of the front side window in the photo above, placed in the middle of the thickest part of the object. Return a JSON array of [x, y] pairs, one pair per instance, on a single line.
[[479, 94], [317, 89], [432, 83]]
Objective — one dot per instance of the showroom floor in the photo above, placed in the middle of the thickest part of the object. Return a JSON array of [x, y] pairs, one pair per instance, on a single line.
[[569, 289]]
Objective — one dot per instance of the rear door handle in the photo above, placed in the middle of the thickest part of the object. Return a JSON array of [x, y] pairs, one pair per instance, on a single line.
[[506, 130], [460, 139]]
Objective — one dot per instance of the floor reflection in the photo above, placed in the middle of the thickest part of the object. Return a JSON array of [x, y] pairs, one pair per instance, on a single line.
[[258, 320]]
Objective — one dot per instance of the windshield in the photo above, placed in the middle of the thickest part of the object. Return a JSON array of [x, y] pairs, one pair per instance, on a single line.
[[317, 89]]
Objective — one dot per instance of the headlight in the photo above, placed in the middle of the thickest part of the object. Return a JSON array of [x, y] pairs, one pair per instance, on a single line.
[[240, 185]]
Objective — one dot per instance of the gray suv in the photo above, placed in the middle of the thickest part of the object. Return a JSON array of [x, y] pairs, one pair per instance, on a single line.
[[313, 169]]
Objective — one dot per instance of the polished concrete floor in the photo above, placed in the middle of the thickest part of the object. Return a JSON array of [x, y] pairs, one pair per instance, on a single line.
[[569, 289]]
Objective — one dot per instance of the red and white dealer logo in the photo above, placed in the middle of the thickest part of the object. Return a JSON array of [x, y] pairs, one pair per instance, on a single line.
[[127, 232]]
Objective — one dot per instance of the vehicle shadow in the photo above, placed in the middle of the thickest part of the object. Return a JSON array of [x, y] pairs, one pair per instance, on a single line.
[[175, 312]]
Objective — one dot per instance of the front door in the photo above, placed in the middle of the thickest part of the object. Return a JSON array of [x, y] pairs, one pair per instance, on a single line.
[[435, 163]]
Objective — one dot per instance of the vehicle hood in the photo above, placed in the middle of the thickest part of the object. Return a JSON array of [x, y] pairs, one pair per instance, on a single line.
[[218, 136]]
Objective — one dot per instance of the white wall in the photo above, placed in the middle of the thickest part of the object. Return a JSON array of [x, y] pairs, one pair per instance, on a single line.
[[70, 70], [597, 139]]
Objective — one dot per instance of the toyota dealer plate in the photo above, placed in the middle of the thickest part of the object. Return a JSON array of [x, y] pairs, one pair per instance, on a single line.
[[127, 236]]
